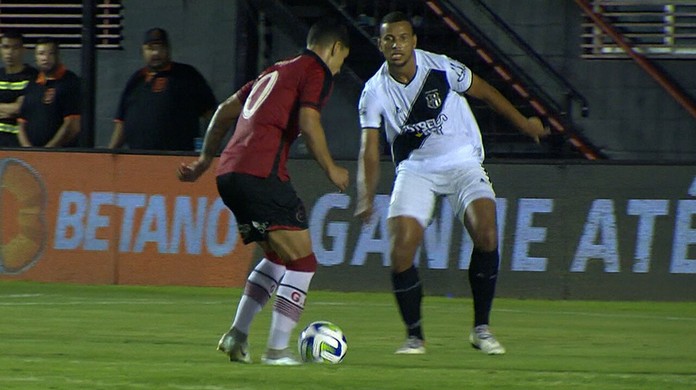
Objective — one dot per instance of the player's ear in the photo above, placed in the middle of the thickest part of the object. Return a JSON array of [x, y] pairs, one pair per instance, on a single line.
[[379, 42], [415, 40]]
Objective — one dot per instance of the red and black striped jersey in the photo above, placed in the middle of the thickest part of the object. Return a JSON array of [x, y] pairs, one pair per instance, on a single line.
[[269, 121]]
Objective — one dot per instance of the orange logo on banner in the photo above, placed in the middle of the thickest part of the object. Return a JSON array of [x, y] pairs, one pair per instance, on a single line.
[[118, 227], [22, 226]]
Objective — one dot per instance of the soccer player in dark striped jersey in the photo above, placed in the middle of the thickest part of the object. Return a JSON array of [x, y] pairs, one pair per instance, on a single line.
[[284, 101], [436, 145]]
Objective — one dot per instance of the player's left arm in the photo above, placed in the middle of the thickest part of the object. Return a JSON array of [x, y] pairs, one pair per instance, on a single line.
[[66, 133], [223, 119], [531, 126]]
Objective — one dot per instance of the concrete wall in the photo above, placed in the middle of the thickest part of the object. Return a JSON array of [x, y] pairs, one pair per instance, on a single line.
[[631, 116], [202, 33]]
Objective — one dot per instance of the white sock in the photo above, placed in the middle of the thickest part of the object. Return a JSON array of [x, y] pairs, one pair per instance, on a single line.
[[260, 285], [288, 307]]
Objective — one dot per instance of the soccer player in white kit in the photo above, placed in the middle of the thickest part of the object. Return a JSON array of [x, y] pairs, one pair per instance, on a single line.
[[437, 149]]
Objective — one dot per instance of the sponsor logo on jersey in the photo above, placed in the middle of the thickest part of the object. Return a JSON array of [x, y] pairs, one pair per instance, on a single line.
[[426, 127]]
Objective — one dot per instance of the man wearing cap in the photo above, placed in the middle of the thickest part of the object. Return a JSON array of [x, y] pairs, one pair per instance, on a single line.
[[162, 103]]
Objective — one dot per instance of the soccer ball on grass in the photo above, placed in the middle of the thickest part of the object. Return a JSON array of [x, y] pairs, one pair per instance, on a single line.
[[322, 342]]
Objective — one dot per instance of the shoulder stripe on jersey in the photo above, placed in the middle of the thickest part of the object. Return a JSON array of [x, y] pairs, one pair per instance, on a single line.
[[425, 116]]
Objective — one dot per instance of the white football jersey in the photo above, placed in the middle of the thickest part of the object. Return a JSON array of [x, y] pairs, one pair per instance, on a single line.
[[427, 119]]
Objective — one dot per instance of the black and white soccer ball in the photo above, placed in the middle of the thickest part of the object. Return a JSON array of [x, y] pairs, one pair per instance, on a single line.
[[322, 342]]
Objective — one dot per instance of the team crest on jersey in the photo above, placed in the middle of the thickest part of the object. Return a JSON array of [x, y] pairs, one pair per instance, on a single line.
[[432, 99], [159, 84], [49, 96]]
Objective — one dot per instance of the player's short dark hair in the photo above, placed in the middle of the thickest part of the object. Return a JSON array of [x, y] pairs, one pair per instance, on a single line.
[[13, 34], [395, 17], [326, 32], [49, 41]]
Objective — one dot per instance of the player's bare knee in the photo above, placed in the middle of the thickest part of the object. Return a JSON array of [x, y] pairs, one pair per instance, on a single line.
[[401, 265], [486, 240], [403, 251]]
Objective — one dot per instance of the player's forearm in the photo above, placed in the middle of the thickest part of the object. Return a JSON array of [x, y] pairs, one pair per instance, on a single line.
[[368, 175], [9, 110], [65, 133], [316, 143], [480, 89], [213, 138], [368, 164], [315, 138], [503, 106], [221, 122], [22, 136], [117, 137]]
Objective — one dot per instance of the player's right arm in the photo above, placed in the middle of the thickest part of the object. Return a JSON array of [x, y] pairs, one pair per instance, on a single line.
[[10, 110], [223, 119], [368, 173], [370, 113]]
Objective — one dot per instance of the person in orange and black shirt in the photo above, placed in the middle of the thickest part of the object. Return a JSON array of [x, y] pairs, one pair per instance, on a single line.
[[14, 78], [162, 103], [50, 113]]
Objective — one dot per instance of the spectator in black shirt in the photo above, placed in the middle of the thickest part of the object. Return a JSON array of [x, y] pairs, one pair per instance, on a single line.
[[50, 113], [162, 103]]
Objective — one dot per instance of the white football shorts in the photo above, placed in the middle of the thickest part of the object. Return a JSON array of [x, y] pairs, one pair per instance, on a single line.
[[416, 190]]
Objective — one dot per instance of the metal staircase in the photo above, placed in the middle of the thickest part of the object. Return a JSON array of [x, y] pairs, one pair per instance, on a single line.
[[442, 28], [635, 44]]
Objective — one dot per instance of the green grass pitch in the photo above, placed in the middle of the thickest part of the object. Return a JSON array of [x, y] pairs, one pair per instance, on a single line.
[[57, 336]]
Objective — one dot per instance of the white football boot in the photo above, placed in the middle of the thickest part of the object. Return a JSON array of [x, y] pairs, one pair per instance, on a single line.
[[482, 338], [412, 346], [280, 357]]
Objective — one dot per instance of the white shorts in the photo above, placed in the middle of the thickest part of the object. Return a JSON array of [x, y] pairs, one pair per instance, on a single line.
[[416, 191]]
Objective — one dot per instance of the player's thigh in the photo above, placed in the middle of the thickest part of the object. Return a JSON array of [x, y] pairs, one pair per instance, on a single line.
[[413, 196], [473, 201], [466, 186], [290, 244]]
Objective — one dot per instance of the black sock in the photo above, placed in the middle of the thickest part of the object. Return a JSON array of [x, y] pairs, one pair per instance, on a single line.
[[409, 293], [483, 275]]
